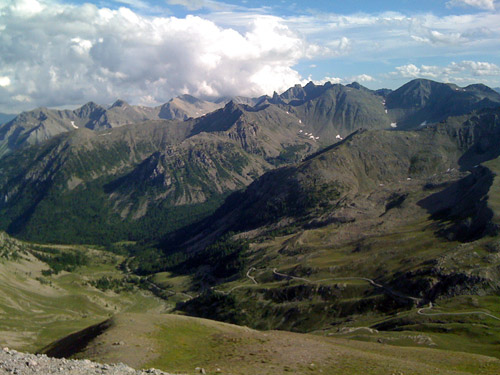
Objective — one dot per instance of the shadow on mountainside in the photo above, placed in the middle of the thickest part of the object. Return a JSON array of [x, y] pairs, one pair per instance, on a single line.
[[462, 207]]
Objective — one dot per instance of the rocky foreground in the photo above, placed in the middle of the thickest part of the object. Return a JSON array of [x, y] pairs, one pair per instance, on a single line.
[[13, 362]]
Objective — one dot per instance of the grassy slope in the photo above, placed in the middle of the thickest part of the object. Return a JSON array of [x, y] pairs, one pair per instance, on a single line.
[[180, 344], [401, 241], [36, 310], [494, 194]]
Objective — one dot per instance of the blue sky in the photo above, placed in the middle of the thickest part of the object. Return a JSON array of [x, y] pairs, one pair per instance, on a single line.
[[67, 52]]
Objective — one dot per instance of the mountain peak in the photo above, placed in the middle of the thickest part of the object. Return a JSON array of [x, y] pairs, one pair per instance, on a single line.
[[188, 98], [232, 106], [90, 105], [119, 103], [356, 85], [310, 84], [481, 88]]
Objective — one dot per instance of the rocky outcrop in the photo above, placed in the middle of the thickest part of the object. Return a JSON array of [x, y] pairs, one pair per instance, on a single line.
[[13, 362]]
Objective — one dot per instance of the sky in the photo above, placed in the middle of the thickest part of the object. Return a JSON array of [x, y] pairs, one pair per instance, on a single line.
[[64, 53]]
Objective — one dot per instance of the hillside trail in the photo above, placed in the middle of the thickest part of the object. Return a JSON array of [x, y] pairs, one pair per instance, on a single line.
[[431, 308], [419, 301]]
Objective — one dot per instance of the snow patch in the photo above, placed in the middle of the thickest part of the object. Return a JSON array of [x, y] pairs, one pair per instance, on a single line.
[[394, 124], [73, 124], [423, 123], [386, 111], [339, 137]]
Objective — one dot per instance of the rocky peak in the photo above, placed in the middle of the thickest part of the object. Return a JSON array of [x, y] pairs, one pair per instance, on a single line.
[[119, 103], [90, 110], [188, 98]]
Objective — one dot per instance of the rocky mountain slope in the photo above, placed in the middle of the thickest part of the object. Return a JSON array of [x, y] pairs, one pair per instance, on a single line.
[[363, 162], [421, 102], [334, 111], [187, 106], [143, 178], [35, 127]]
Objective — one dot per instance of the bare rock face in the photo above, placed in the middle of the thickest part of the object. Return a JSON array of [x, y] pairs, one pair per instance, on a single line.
[[13, 362]]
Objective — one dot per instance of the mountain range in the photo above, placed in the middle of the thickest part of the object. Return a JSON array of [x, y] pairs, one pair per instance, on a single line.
[[332, 210], [41, 124], [330, 112], [136, 174]]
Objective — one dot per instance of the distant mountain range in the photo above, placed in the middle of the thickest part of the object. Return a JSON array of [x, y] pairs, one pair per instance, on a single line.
[[328, 112], [126, 171], [37, 126]]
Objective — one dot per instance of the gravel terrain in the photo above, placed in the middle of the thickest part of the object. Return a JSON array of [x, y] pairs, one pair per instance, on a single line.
[[13, 362]]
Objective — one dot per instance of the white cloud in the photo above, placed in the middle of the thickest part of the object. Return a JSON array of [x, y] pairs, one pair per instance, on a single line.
[[26, 8], [481, 4], [4, 81], [334, 80], [22, 98], [461, 72], [394, 35], [66, 54], [475, 68], [361, 78]]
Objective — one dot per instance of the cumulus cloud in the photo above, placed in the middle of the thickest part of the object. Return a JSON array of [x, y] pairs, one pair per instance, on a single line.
[[481, 4], [334, 80], [461, 72], [361, 78], [58, 54], [4, 81]]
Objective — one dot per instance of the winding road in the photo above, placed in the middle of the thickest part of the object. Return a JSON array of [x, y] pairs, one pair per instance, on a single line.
[[372, 282], [424, 311], [431, 306]]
